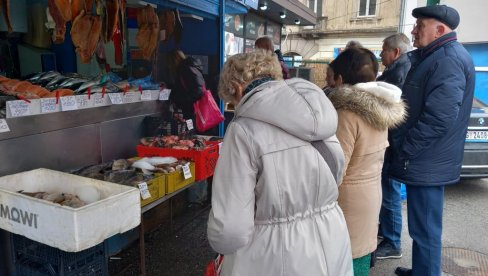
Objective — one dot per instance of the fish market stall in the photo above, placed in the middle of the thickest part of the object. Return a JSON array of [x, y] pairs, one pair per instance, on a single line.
[[76, 83]]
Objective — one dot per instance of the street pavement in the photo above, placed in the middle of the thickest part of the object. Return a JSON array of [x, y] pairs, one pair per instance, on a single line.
[[465, 225], [186, 251]]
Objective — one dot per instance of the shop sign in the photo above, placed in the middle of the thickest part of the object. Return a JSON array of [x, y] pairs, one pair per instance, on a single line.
[[18, 215], [4, 126]]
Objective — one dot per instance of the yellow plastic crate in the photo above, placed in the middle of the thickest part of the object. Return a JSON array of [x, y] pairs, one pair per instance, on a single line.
[[176, 180], [157, 189]]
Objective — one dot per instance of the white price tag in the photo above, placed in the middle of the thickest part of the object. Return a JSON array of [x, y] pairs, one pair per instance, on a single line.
[[18, 108], [164, 94], [186, 171], [132, 97], [48, 105], [144, 191], [82, 101], [116, 98], [189, 124], [146, 95], [4, 126], [68, 103], [98, 100]]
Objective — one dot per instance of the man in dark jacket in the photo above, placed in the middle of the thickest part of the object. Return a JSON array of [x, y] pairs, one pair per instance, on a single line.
[[188, 82], [394, 58], [428, 147]]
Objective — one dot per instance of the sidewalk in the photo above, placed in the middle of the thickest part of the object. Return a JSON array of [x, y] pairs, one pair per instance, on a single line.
[[187, 252]]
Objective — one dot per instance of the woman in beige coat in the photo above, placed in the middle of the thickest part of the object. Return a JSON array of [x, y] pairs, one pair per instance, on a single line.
[[274, 199], [366, 111]]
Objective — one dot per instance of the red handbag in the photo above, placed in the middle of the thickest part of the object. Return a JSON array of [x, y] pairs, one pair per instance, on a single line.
[[207, 113], [214, 267]]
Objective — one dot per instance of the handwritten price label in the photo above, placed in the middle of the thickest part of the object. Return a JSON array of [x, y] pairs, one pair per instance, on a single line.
[[189, 124], [145, 194], [164, 94], [132, 97], [82, 101], [18, 108], [116, 98], [4, 126], [68, 103], [186, 171], [146, 95], [48, 105], [98, 100]]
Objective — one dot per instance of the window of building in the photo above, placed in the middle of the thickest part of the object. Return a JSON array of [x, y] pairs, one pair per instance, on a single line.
[[367, 8], [315, 6]]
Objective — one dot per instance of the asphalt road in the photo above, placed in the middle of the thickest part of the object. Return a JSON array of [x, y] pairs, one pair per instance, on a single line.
[[465, 226], [186, 252]]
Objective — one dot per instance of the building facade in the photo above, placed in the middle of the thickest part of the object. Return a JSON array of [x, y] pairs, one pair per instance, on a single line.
[[339, 21]]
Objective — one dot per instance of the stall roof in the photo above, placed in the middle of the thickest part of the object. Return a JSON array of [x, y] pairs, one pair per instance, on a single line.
[[293, 9], [204, 8]]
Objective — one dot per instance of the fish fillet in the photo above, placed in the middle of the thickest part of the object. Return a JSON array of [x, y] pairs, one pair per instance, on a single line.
[[60, 29], [112, 7], [147, 35], [76, 7], [85, 34]]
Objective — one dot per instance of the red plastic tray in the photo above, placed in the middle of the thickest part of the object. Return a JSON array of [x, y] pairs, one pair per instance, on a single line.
[[205, 160]]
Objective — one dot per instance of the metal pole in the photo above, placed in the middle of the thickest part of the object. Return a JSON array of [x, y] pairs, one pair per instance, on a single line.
[[221, 55]]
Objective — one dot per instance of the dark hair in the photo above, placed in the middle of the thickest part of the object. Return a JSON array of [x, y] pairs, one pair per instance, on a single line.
[[355, 65]]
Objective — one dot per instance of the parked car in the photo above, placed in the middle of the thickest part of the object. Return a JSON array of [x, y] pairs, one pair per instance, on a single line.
[[475, 163]]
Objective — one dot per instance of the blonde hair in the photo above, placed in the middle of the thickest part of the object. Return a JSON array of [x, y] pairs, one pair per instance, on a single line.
[[244, 68]]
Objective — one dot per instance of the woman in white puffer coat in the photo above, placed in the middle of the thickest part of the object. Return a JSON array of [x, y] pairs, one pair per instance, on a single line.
[[274, 201]]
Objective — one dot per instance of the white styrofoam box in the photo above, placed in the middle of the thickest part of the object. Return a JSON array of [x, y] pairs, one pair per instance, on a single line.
[[66, 228]]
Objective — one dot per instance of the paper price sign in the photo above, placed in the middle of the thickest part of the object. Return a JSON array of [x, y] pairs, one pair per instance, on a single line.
[[164, 94], [68, 103], [116, 98], [48, 105], [98, 100], [82, 101], [18, 108], [4, 126], [146, 95], [186, 171], [189, 124], [143, 190]]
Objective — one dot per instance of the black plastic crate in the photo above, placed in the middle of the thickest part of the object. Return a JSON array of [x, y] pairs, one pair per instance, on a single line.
[[34, 258]]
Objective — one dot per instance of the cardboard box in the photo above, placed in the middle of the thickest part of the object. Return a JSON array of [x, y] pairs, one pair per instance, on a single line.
[[63, 227]]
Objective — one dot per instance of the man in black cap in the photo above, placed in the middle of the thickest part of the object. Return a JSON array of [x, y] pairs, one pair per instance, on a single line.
[[428, 147]]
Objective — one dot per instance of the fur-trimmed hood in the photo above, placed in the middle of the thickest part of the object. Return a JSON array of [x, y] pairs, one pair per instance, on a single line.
[[378, 103]]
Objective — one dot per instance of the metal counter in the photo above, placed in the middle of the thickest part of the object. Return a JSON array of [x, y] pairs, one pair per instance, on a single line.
[[73, 139]]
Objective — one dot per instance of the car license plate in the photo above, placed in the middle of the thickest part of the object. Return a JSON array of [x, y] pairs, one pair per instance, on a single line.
[[477, 135]]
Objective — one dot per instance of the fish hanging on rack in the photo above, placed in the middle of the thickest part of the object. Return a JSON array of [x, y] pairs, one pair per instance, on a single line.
[[5, 7], [85, 33], [148, 33], [60, 11]]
